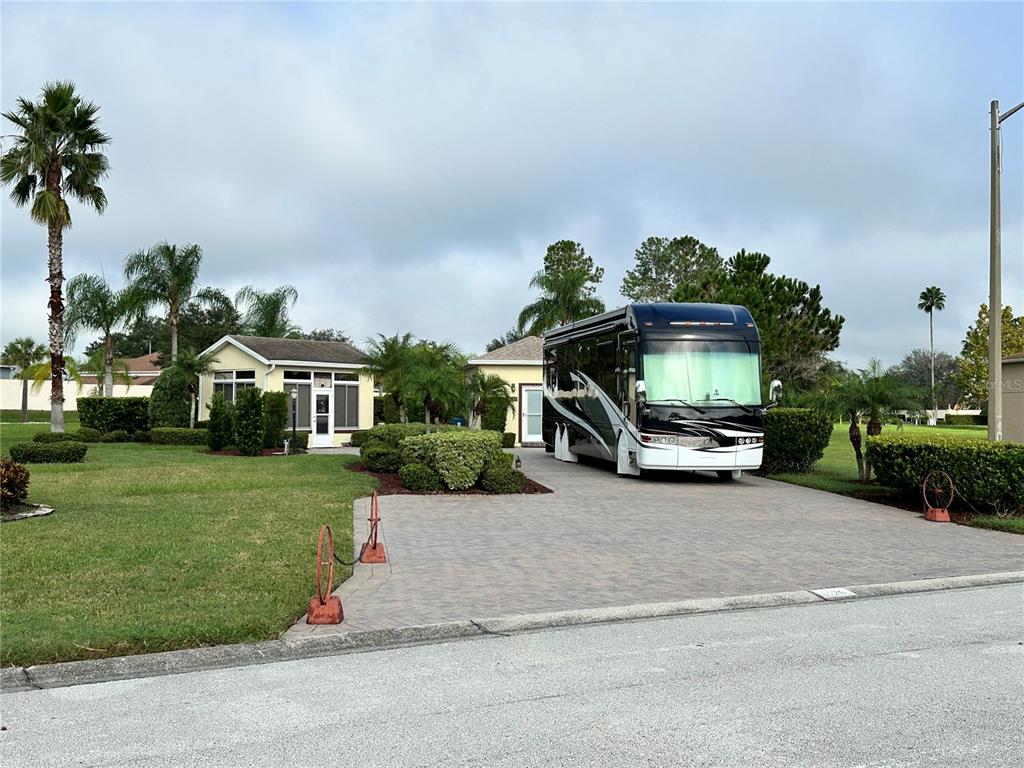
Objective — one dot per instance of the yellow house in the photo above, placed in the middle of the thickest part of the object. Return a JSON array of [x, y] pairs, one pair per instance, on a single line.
[[332, 397], [521, 364]]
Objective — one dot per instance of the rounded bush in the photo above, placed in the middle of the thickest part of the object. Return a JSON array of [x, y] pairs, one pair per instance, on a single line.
[[508, 439], [420, 478], [142, 436], [88, 435], [248, 421], [48, 453], [498, 477], [54, 437], [169, 403], [177, 436], [457, 455], [794, 439], [359, 438], [378, 457], [14, 479], [115, 436]]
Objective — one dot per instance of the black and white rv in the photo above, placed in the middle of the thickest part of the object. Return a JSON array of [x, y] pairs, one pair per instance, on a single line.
[[657, 386]]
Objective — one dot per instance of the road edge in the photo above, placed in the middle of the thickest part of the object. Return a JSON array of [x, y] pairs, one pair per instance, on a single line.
[[14, 679]]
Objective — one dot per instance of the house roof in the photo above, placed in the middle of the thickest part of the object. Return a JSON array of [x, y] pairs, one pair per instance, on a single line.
[[526, 351], [298, 350], [144, 364]]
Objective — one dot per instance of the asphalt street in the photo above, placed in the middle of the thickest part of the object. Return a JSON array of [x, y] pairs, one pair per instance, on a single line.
[[933, 679]]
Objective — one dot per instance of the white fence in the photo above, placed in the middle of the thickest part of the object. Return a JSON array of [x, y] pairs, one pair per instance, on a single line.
[[39, 399]]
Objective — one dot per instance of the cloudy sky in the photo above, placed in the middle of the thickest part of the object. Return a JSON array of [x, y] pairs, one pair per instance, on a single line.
[[404, 166]]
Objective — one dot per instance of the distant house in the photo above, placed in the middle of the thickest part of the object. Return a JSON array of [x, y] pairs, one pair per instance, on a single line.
[[8, 371], [1013, 399], [521, 364], [333, 396], [142, 372]]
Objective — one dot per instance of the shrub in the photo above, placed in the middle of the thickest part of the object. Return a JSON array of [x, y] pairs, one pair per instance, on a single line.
[[495, 414], [218, 434], [508, 439], [169, 402], [275, 417], [13, 481], [458, 456], [379, 457], [115, 436], [420, 478], [300, 443], [54, 437], [142, 436], [48, 453], [358, 438], [794, 439], [390, 412], [499, 477], [177, 436], [963, 420], [392, 435], [88, 435], [988, 475], [106, 414], [248, 430]]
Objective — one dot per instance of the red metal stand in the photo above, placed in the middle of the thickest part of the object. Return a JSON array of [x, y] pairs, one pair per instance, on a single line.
[[373, 550], [325, 608]]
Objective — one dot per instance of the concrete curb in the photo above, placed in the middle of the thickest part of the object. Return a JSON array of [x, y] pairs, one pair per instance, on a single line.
[[14, 679]]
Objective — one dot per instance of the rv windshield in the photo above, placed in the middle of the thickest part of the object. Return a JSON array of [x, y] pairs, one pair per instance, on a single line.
[[710, 373]]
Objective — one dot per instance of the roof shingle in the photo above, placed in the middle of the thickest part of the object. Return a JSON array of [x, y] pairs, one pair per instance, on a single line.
[[530, 348], [302, 350]]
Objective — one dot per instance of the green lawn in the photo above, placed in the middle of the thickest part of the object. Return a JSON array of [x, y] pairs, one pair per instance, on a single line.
[[160, 547], [837, 472], [42, 417]]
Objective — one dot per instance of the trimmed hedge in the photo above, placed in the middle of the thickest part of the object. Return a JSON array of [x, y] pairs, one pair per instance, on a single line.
[[988, 475], [248, 421], [218, 434], [420, 478], [90, 435], [14, 479], [794, 439], [177, 436], [498, 477], [457, 456], [380, 457], [48, 453], [508, 439], [275, 416], [115, 436], [169, 404], [106, 414], [963, 420], [55, 437], [142, 436], [300, 443], [359, 438]]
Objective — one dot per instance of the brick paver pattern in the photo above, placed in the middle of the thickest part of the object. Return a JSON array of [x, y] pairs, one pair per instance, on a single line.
[[600, 540]]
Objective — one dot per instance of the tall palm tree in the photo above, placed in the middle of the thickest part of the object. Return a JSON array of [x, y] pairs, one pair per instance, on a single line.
[[24, 353], [94, 305], [166, 275], [194, 366], [266, 312], [387, 360], [56, 154], [435, 379], [931, 299], [565, 297]]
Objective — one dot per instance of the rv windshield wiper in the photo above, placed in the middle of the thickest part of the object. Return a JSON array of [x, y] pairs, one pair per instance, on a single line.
[[675, 401], [746, 408]]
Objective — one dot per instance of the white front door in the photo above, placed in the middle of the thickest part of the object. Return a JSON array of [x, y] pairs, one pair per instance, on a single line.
[[531, 413], [323, 418]]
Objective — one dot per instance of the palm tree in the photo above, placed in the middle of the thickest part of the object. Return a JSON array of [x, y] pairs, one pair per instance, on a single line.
[[93, 305], [434, 378], [42, 372], [166, 275], [487, 391], [194, 366], [387, 360], [97, 361], [56, 154], [565, 297], [266, 313], [24, 353], [931, 299]]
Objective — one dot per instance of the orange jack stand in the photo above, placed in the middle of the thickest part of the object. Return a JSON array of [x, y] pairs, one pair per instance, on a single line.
[[325, 608], [373, 550], [936, 515]]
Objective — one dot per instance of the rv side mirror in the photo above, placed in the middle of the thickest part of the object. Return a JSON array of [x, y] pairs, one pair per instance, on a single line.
[[641, 390], [775, 391]]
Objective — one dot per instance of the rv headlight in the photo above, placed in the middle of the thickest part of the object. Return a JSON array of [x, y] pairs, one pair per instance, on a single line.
[[696, 442]]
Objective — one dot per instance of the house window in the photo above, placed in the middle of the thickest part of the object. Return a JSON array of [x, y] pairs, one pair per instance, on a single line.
[[346, 401], [228, 383], [301, 382]]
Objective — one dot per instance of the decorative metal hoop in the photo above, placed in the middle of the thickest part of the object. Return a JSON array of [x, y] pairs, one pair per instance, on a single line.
[[323, 590], [938, 490]]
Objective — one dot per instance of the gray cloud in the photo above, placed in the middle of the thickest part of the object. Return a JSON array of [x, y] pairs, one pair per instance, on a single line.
[[405, 166]]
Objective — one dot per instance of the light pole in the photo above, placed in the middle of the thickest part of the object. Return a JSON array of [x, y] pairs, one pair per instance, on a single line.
[[995, 290], [295, 400]]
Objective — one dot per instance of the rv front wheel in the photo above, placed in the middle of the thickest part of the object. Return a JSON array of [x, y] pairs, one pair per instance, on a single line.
[[729, 474]]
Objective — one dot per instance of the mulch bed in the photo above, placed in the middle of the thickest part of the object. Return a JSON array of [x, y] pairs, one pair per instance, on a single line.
[[389, 484]]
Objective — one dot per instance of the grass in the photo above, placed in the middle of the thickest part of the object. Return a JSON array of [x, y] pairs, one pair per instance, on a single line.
[[153, 548], [836, 472], [42, 418]]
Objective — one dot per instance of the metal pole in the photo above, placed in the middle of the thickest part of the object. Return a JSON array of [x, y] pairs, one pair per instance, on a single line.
[[995, 299]]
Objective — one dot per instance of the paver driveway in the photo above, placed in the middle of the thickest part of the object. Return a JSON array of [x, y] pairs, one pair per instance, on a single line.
[[600, 541]]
